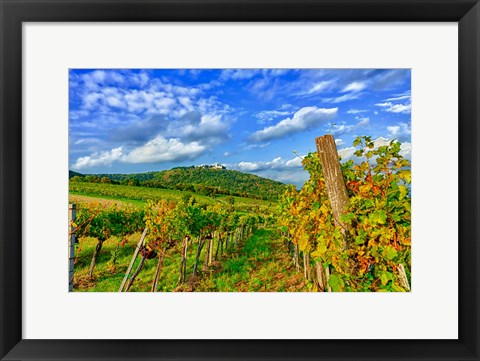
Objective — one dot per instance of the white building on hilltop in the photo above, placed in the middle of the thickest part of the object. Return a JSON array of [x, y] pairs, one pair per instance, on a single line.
[[213, 166]]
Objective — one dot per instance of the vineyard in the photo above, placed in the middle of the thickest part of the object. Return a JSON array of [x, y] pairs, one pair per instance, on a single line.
[[351, 237]]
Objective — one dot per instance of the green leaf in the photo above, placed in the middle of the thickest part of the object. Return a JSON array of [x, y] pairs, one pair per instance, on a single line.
[[397, 288], [407, 206], [336, 283], [379, 217], [389, 253], [385, 277], [405, 174], [359, 240], [321, 245], [347, 217], [396, 217], [403, 192], [358, 153]]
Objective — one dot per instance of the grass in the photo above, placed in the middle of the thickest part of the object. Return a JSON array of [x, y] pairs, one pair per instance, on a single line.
[[138, 196], [260, 264], [105, 200]]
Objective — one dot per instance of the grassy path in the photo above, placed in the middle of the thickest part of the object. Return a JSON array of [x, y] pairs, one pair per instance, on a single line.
[[261, 265]]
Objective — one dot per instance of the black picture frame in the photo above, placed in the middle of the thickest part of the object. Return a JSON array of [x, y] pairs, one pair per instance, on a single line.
[[14, 12]]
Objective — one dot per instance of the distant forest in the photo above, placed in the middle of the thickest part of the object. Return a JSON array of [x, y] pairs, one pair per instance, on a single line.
[[205, 181]]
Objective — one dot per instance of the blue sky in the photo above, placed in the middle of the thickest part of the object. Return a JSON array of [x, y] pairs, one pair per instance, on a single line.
[[260, 121]]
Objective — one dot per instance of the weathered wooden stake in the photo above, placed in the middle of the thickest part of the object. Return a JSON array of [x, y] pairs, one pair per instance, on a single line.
[[72, 212], [197, 257], [135, 274], [161, 256], [219, 243], [402, 276], [306, 265], [210, 249], [320, 277], [96, 252], [336, 190], [327, 278], [208, 243], [295, 257], [135, 254], [183, 266]]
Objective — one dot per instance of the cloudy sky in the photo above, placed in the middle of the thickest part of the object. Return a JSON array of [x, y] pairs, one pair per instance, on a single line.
[[260, 121]]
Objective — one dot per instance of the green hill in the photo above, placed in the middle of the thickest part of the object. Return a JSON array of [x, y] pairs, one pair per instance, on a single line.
[[71, 174], [206, 181]]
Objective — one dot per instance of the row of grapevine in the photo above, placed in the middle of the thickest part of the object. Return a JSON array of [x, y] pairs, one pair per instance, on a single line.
[[184, 227], [369, 247], [217, 229], [103, 222]]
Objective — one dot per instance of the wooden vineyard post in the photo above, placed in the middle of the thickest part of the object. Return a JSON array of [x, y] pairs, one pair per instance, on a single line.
[[403, 277], [320, 277], [210, 249], [72, 212], [336, 190], [327, 277], [135, 254]]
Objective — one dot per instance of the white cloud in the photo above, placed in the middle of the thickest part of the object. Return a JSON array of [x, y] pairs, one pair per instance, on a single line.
[[277, 164], [287, 106], [239, 74], [114, 102], [341, 129], [380, 142], [209, 129], [339, 142], [356, 111], [257, 146], [91, 100], [354, 87], [303, 119], [406, 150], [269, 115], [126, 93], [316, 88], [78, 114], [105, 158], [295, 162], [363, 122], [401, 131], [156, 150], [343, 98], [245, 166], [346, 153], [395, 108], [402, 97], [160, 149], [390, 106], [279, 169], [390, 79], [97, 79]]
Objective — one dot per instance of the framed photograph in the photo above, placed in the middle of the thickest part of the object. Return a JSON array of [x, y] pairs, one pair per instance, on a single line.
[[204, 180], [241, 180]]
